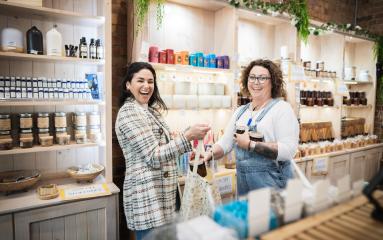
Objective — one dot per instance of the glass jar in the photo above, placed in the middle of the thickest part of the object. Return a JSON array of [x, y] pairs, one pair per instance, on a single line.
[[5, 134], [43, 132], [94, 133], [43, 120], [60, 120], [26, 133], [61, 131], [79, 119], [5, 122], [79, 130], [26, 121], [94, 119]]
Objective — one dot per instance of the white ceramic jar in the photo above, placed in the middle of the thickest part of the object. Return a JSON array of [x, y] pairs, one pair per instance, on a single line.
[[12, 40]]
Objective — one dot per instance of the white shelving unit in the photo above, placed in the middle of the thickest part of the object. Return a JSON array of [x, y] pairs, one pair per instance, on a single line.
[[74, 19]]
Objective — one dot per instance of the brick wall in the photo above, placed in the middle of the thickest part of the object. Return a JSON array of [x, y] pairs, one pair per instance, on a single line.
[[370, 15], [338, 11]]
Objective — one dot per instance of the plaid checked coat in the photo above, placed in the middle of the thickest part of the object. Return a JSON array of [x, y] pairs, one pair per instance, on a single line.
[[150, 153]]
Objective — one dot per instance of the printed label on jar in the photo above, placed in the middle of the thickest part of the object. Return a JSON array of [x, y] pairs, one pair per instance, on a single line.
[[25, 122]]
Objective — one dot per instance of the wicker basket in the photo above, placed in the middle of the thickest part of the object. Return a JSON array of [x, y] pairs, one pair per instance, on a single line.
[[73, 172], [11, 181], [47, 192]]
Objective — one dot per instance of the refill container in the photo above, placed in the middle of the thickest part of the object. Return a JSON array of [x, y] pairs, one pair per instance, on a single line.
[[12, 40], [193, 60], [206, 60], [153, 54], [54, 42], [162, 56], [200, 61], [177, 58], [212, 61], [34, 41], [185, 57], [169, 56]]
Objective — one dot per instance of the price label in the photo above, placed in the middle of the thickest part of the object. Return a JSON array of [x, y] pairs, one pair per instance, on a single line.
[[225, 184], [94, 190], [320, 166]]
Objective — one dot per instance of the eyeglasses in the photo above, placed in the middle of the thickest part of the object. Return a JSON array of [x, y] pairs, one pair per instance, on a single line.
[[260, 79]]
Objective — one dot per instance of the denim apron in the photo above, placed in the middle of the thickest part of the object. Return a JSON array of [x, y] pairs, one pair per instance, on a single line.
[[255, 171]]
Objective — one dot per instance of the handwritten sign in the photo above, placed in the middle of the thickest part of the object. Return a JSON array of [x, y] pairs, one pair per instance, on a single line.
[[320, 166], [85, 192], [225, 184]]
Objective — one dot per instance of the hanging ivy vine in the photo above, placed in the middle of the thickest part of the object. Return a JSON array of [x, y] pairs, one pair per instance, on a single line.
[[296, 8], [142, 9]]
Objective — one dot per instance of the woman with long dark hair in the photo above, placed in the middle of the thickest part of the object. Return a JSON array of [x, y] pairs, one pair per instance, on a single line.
[[150, 151]]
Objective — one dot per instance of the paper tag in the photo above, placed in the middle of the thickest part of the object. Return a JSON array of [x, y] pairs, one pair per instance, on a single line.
[[259, 211], [84, 192], [225, 184], [320, 166]]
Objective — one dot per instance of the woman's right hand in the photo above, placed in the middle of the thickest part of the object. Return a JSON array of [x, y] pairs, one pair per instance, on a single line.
[[197, 131]]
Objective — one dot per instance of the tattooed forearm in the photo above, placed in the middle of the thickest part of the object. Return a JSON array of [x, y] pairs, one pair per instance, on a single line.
[[269, 150]]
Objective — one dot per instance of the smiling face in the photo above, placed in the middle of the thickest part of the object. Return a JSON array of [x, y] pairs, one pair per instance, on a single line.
[[257, 89], [142, 86]]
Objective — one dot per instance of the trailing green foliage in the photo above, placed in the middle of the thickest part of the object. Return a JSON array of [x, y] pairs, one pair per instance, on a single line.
[[296, 8], [142, 9]]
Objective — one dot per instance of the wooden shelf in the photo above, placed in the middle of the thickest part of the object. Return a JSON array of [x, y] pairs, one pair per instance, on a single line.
[[49, 102], [45, 58], [48, 149], [357, 106], [353, 82], [49, 14], [189, 68], [318, 107], [26, 200]]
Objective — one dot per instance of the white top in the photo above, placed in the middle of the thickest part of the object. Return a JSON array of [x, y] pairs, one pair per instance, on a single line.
[[279, 125]]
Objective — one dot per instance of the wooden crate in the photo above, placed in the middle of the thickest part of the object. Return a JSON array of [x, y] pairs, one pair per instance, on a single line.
[[350, 220]]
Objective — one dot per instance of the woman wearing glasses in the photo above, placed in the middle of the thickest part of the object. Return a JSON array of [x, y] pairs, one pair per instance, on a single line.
[[265, 149]]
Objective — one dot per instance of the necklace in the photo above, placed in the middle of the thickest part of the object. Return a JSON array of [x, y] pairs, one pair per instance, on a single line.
[[254, 111]]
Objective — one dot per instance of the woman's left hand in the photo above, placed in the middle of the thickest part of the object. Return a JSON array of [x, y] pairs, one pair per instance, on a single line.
[[242, 140]]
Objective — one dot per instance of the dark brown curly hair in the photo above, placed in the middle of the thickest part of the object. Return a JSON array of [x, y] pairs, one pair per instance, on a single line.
[[277, 83]]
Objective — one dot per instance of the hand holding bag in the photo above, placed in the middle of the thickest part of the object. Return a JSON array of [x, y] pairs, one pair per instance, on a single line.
[[199, 197]]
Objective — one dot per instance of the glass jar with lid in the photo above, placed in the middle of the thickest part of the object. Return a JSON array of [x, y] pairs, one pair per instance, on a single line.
[[79, 130], [94, 119], [26, 120], [43, 132], [61, 131], [5, 122], [43, 120], [26, 133], [5, 134], [79, 119], [60, 120], [94, 133]]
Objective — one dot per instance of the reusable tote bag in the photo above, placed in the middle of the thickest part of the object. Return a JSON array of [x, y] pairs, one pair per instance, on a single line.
[[199, 197]]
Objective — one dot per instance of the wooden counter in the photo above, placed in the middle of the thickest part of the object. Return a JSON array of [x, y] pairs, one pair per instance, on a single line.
[[349, 220]]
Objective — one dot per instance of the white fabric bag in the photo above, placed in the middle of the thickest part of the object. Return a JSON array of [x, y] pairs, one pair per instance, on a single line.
[[199, 197]]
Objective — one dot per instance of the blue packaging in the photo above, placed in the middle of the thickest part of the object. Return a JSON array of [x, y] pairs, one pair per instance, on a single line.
[[234, 215], [193, 60], [206, 60], [200, 61], [212, 61]]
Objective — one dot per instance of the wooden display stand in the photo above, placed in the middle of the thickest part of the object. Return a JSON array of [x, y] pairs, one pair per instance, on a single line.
[[349, 220], [243, 35]]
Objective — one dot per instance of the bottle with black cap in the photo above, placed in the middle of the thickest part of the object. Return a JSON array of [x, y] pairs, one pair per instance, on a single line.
[[83, 48], [92, 49], [99, 49], [34, 41]]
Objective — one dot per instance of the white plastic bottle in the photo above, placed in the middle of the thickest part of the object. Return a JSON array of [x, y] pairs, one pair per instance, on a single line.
[[54, 42]]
